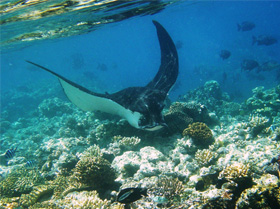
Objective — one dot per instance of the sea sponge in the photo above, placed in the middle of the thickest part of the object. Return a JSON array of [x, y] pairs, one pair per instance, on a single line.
[[200, 133], [95, 172]]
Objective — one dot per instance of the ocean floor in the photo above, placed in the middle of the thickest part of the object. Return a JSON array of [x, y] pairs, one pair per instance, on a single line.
[[215, 154]]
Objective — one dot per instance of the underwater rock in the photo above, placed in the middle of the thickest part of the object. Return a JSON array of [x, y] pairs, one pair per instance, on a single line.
[[200, 133], [127, 164], [151, 154]]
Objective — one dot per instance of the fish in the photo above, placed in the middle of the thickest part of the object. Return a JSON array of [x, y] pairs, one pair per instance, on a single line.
[[140, 106], [30, 164], [248, 64], [246, 26], [10, 153], [225, 54], [129, 195], [264, 40]]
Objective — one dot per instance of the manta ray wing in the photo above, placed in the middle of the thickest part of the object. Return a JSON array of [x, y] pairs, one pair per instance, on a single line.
[[91, 101], [169, 67]]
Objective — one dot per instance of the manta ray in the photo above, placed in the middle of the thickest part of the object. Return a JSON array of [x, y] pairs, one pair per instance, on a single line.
[[140, 106]]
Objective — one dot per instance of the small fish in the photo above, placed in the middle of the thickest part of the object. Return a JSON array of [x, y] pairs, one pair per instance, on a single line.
[[245, 26], [130, 195], [249, 65], [10, 153], [264, 40], [30, 164], [224, 54]]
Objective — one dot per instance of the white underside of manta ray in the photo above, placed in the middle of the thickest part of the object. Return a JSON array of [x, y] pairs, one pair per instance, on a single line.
[[140, 106]]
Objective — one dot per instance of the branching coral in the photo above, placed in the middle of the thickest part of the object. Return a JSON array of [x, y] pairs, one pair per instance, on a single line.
[[127, 143], [93, 151], [258, 123], [205, 156], [20, 181], [169, 188], [200, 133], [236, 172]]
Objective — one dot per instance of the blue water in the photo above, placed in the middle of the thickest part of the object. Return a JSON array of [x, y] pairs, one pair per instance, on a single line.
[[131, 53]]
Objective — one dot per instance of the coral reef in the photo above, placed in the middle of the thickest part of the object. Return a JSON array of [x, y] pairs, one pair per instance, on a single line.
[[83, 199], [20, 181], [258, 123], [212, 97], [200, 133], [95, 172], [236, 172], [264, 102], [180, 115], [167, 189], [54, 107], [205, 157], [265, 194], [38, 192], [127, 143], [81, 156]]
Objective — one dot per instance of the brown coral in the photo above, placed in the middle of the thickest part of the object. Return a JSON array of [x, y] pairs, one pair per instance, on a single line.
[[200, 133], [95, 172]]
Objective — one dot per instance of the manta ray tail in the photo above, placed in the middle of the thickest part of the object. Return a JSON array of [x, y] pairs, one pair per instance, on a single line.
[[168, 71]]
